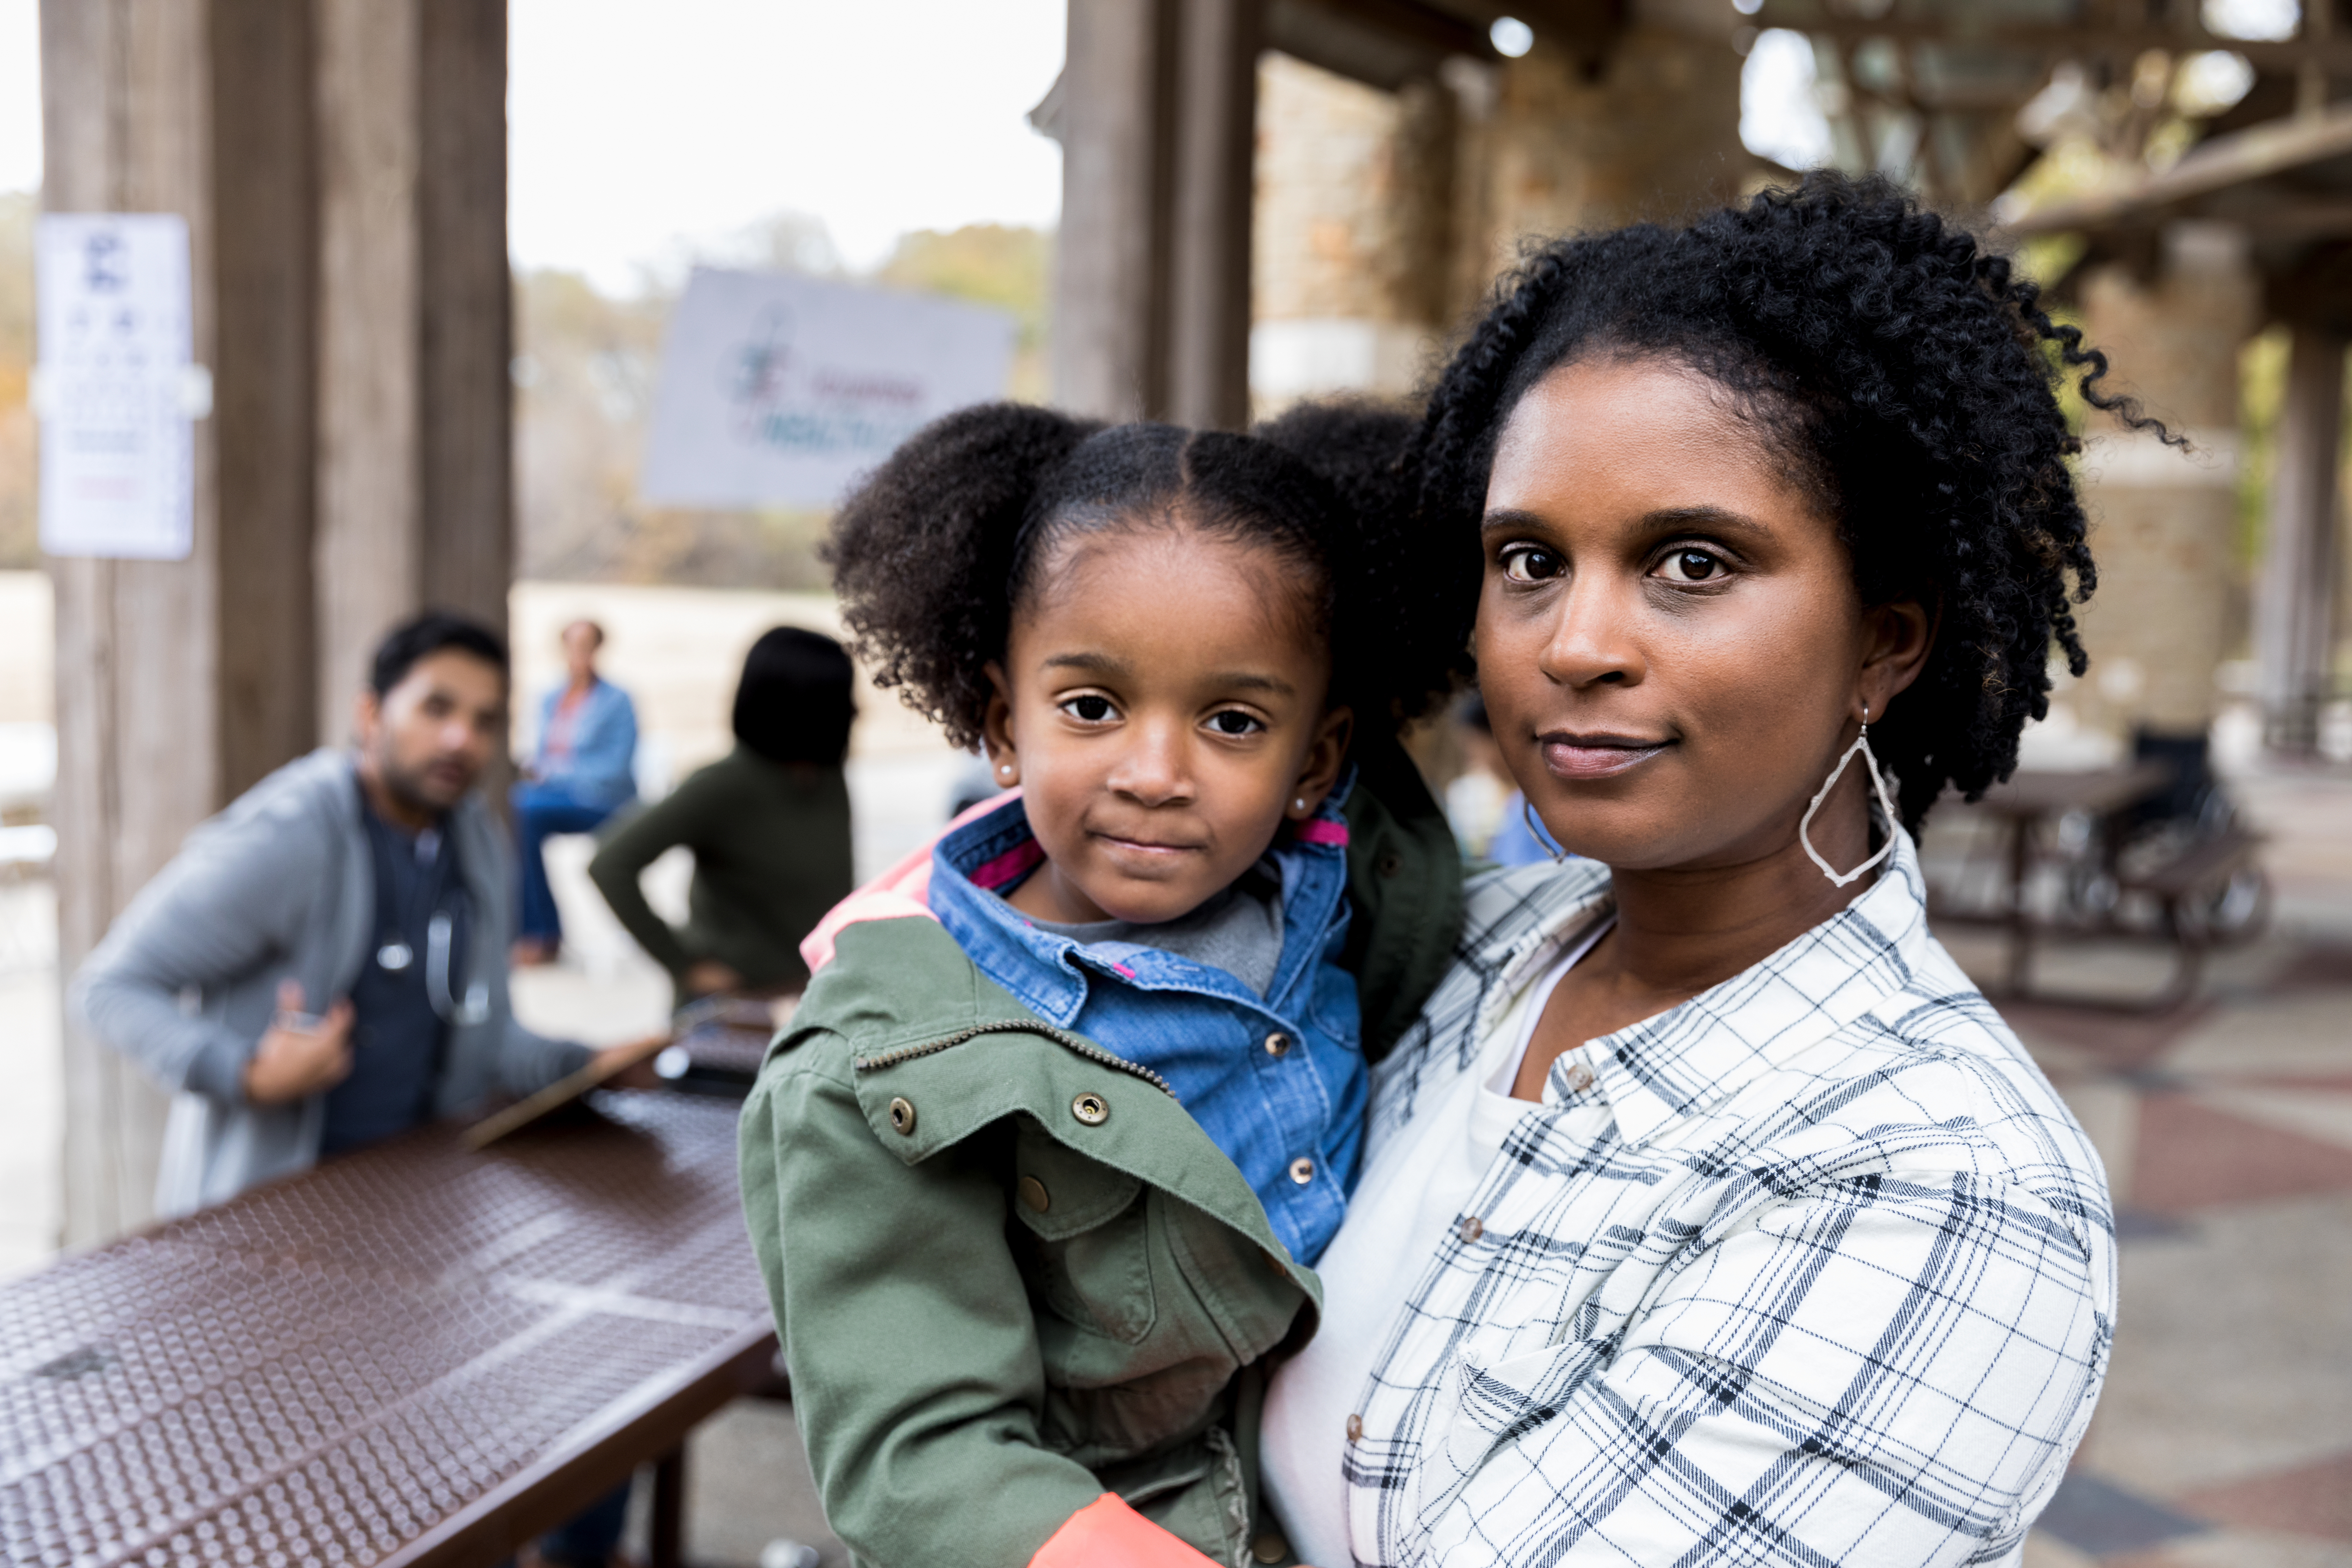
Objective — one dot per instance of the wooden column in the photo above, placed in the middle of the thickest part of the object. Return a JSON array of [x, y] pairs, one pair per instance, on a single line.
[[1216, 144], [342, 166], [180, 681], [2294, 631], [1157, 122], [415, 404]]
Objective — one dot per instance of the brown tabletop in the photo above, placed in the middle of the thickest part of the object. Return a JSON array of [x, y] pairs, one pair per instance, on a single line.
[[2036, 794], [411, 1355]]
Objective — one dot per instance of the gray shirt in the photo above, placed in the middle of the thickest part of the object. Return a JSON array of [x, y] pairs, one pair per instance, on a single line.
[[1239, 930], [278, 887]]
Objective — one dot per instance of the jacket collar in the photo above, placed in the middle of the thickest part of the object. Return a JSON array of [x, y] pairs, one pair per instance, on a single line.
[[1051, 974]]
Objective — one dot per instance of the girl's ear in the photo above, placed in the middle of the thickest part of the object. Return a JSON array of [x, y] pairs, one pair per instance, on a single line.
[[996, 729], [1326, 753], [1896, 640]]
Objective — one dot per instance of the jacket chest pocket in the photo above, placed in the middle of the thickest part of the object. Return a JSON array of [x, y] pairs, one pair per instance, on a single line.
[[1089, 1237]]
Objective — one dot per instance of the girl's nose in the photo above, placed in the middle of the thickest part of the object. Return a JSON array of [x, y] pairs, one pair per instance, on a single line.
[[1153, 769]]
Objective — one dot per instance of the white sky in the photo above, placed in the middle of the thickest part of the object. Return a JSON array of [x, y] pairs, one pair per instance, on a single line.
[[639, 129]]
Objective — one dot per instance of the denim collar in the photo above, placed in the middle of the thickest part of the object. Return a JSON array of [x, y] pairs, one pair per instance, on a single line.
[[973, 866]]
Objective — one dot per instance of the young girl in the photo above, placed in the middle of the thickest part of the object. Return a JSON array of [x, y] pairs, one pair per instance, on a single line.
[[1076, 1096]]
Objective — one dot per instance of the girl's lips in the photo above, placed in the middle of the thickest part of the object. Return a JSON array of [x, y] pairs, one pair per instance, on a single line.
[[1595, 757]]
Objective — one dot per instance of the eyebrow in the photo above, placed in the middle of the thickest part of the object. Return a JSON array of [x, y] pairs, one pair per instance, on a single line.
[[1104, 665], [1666, 519]]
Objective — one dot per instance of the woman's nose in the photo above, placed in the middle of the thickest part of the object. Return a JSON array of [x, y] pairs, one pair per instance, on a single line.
[[1593, 642]]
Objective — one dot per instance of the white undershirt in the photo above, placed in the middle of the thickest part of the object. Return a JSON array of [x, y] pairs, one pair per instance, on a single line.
[[1408, 1198]]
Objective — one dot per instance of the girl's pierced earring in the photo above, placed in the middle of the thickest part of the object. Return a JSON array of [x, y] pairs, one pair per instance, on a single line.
[[1878, 781], [1004, 770], [1527, 815], [1299, 805]]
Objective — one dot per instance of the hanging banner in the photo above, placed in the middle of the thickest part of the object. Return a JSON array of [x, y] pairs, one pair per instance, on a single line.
[[780, 391], [114, 387]]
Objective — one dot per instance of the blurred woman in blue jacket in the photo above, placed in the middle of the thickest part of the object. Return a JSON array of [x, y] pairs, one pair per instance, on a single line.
[[581, 771]]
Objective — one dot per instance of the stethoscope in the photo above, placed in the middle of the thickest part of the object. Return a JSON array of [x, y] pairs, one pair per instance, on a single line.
[[440, 935]]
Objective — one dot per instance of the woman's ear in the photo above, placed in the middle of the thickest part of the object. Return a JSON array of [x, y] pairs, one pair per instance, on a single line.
[[996, 729], [1326, 753], [1895, 641]]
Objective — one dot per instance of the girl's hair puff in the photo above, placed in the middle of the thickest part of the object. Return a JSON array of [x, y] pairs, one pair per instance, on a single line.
[[947, 541], [1902, 373]]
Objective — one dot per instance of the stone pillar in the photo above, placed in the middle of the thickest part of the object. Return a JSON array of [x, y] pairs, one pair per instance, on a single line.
[[181, 681], [2164, 523], [415, 405], [1654, 133], [1354, 221], [2294, 607]]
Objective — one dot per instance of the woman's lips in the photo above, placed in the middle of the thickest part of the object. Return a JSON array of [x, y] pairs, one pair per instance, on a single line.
[[1596, 756]]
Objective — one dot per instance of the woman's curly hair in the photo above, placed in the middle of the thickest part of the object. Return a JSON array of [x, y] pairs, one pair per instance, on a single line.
[[950, 538], [1903, 373]]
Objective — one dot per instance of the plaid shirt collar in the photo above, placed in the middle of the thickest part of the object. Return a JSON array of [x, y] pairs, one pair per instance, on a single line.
[[1667, 1069]]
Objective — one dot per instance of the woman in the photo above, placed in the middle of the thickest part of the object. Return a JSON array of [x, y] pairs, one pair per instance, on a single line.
[[767, 823], [1711, 1216], [581, 771]]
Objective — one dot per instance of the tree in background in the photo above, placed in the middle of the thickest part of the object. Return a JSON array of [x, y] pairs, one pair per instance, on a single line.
[[19, 528]]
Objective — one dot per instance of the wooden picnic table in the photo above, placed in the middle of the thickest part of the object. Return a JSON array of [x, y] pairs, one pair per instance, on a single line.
[[411, 1355], [2032, 797]]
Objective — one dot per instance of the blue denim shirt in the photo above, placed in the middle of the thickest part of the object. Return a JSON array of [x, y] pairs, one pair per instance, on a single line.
[[1279, 1082]]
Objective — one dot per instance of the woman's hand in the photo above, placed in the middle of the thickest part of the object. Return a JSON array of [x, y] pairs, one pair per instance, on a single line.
[[708, 976]]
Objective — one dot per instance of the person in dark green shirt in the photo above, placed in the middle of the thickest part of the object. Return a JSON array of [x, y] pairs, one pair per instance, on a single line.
[[768, 824]]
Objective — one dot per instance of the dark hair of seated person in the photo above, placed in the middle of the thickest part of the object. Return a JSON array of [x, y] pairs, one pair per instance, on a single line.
[[1900, 370], [423, 636], [795, 702]]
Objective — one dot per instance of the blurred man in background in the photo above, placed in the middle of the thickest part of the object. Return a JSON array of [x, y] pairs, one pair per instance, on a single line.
[[581, 771]]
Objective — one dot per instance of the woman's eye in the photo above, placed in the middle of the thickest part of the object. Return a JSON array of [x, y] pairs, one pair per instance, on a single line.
[[1089, 708], [1527, 563], [1233, 721], [1690, 566]]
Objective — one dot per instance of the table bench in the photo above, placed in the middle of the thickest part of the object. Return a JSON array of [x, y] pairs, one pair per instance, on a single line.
[[411, 1355]]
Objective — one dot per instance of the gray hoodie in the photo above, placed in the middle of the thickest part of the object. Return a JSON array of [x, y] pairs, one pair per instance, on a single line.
[[280, 885]]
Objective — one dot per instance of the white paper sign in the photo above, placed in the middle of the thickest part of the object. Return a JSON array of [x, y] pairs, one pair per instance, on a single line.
[[115, 391], [780, 391]]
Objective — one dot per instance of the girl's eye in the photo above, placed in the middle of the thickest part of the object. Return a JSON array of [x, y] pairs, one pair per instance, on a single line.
[[1233, 721], [1089, 708], [1531, 563], [1690, 566]]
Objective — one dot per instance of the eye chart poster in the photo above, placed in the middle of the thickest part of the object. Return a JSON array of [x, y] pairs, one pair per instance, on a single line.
[[114, 389], [779, 390]]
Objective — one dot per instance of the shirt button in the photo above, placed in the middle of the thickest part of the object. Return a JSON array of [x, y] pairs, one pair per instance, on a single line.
[[1355, 1428], [1034, 1194], [1580, 1078], [1302, 1170], [1473, 1228], [1278, 1044]]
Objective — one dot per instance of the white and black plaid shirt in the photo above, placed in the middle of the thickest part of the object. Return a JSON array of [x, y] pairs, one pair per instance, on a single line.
[[1817, 1270]]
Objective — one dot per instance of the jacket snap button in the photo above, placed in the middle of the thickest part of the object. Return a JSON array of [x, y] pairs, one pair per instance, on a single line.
[[1473, 1228], [902, 1117], [1269, 1548], [1278, 1044], [1355, 1428], [1034, 1194], [1390, 864], [1302, 1170], [1091, 1109]]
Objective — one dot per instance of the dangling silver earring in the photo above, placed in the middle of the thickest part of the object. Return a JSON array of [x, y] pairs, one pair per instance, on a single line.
[[1527, 815], [1877, 781]]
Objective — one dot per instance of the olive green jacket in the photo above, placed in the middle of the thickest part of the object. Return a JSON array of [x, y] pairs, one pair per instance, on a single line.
[[1008, 1270]]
